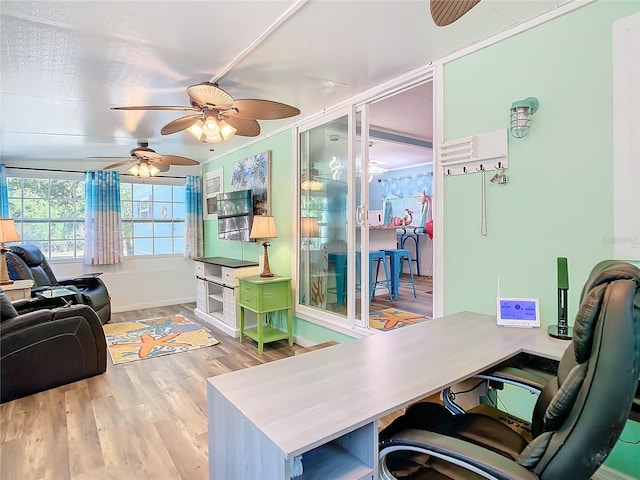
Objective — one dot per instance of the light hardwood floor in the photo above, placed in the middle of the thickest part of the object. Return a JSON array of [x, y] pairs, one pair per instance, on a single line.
[[140, 420]]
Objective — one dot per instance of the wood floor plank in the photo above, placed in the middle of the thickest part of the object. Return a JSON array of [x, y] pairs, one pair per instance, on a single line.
[[139, 420], [82, 432]]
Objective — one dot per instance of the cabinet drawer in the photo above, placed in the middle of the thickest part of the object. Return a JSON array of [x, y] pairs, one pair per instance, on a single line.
[[228, 276], [250, 301], [199, 267]]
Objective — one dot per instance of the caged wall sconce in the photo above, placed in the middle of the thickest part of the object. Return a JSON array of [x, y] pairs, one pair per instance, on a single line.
[[521, 112]]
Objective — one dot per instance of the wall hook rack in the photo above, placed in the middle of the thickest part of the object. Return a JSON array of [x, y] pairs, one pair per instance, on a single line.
[[459, 156]]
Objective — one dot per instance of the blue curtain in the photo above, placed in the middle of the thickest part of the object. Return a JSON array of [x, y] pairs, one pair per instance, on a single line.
[[103, 222], [4, 192], [193, 227]]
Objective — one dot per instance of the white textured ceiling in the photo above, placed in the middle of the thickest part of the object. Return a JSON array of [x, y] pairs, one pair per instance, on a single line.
[[65, 63]]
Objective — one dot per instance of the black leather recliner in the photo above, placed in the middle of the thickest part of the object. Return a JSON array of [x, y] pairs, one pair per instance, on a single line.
[[45, 348], [26, 262], [577, 418]]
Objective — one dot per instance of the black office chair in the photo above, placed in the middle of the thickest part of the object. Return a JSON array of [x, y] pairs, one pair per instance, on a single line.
[[27, 262], [577, 418]]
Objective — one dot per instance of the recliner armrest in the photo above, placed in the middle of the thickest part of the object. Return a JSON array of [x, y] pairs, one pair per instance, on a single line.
[[25, 320], [467, 455]]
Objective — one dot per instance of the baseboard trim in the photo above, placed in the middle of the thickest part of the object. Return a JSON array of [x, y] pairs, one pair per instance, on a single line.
[[142, 306], [608, 473]]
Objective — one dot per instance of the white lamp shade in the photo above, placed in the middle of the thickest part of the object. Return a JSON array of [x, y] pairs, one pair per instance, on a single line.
[[8, 232], [264, 226]]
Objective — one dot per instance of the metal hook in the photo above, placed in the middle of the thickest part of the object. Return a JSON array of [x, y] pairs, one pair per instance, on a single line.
[[499, 166], [481, 169]]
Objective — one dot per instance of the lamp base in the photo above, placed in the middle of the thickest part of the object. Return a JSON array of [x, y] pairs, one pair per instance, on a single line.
[[562, 333], [10, 282], [267, 275]]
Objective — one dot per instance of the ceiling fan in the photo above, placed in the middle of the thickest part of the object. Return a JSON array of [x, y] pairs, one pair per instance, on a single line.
[[219, 116], [148, 162], [445, 12]]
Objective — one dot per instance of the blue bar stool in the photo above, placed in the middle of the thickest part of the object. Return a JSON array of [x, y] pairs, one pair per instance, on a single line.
[[396, 258], [378, 256], [340, 264]]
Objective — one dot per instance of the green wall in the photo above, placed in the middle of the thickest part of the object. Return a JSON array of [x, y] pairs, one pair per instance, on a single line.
[[559, 199], [283, 177], [281, 196]]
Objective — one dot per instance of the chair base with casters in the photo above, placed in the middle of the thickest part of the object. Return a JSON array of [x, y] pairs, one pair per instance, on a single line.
[[579, 414], [396, 260]]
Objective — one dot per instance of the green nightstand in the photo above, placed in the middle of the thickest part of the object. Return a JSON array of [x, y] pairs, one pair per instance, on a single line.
[[262, 296]]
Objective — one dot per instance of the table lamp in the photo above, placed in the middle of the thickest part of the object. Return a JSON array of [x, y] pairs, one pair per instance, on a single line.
[[264, 226], [309, 227], [8, 233]]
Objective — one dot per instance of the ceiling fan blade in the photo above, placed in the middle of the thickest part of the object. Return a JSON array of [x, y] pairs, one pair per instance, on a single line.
[[119, 164], [207, 94], [162, 167], [262, 109], [175, 160], [445, 12], [156, 107], [245, 127], [180, 124]]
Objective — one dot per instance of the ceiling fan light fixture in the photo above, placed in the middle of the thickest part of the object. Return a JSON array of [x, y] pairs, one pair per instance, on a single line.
[[226, 130], [144, 169]]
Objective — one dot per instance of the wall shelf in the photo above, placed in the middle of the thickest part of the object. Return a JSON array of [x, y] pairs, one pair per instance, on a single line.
[[487, 151]]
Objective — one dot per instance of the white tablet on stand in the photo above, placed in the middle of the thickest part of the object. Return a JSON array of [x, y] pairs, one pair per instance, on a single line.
[[518, 312]]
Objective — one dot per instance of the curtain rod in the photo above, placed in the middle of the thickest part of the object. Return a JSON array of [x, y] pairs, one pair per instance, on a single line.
[[78, 171]]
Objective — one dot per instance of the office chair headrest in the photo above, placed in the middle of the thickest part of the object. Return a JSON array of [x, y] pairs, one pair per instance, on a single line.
[[593, 292], [31, 254]]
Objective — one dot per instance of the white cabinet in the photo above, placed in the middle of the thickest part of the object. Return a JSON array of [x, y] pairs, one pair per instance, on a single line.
[[217, 291]]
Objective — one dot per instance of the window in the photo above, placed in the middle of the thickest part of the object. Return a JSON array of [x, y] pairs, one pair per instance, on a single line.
[[49, 213], [152, 218], [212, 187]]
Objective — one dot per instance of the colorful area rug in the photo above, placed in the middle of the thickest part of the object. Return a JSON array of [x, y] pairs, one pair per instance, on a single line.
[[131, 341], [392, 318]]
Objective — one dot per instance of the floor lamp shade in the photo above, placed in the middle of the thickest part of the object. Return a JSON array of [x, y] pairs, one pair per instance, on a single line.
[[264, 227], [8, 233]]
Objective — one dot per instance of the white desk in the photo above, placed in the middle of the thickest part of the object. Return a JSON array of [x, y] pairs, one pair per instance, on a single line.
[[325, 404]]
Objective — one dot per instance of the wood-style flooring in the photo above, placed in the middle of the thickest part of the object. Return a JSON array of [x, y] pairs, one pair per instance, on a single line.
[[421, 304], [140, 420]]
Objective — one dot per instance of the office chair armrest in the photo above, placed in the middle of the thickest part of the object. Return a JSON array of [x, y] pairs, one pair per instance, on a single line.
[[528, 378], [459, 452]]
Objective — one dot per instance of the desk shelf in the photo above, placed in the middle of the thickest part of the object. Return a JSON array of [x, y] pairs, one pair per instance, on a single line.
[[333, 461]]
